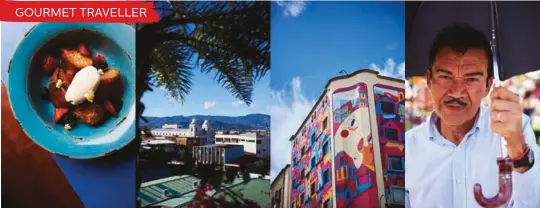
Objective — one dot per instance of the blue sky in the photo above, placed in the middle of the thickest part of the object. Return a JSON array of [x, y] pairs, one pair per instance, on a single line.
[[207, 98], [312, 42]]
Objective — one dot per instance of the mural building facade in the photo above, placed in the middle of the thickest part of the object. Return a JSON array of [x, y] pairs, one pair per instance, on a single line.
[[349, 151]]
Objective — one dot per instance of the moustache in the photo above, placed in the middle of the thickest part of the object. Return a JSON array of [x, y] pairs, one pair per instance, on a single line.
[[455, 100]]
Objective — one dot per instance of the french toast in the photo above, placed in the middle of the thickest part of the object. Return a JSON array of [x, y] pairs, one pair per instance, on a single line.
[[57, 93], [75, 59], [89, 113], [110, 85]]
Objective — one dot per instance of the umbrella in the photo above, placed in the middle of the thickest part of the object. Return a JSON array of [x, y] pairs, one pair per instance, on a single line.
[[516, 25], [514, 31]]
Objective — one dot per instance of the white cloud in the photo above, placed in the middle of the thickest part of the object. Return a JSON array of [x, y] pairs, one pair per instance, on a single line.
[[286, 119], [292, 8], [390, 69], [237, 103], [209, 104]]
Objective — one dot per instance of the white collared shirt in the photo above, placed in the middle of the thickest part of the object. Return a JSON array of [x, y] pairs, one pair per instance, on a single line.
[[440, 174]]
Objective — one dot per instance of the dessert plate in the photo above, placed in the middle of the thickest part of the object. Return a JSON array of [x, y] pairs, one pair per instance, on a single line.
[[117, 43]]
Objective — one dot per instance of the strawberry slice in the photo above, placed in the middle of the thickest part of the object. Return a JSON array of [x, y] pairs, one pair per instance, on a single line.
[[110, 108], [70, 73], [83, 50], [59, 113], [49, 64], [100, 62]]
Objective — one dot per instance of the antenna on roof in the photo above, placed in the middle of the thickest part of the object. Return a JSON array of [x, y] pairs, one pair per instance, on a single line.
[[343, 72]]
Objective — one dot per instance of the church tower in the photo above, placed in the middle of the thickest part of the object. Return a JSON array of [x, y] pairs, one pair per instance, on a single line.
[[206, 126], [193, 127]]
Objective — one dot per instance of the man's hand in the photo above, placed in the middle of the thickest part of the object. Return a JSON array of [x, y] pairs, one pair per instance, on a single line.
[[506, 113]]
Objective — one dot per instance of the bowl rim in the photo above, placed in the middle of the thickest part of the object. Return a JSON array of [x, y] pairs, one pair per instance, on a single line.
[[123, 140]]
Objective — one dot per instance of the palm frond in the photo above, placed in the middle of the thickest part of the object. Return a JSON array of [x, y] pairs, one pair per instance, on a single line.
[[171, 69], [229, 39]]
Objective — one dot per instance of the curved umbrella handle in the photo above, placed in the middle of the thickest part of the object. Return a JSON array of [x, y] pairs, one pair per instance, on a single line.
[[505, 186]]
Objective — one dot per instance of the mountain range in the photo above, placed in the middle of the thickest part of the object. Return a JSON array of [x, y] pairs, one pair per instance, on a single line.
[[247, 122]]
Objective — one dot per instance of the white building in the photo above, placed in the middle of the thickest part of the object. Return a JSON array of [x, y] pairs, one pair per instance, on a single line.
[[161, 144], [281, 188], [191, 136], [253, 143]]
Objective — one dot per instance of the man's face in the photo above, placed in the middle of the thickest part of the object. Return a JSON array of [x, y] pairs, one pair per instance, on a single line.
[[457, 84]]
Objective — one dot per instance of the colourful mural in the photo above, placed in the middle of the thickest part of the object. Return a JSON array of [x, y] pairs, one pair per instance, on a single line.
[[311, 173], [390, 111], [355, 168]]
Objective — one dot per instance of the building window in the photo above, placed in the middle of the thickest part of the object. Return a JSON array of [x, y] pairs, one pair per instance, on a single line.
[[313, 189], [294, 183], [313, 138], [313, 163], [397, 194], [325, 148], [341, 161], [387, 107], [326, 176], [219, 139], [345, 172], [395, 163], [325, 124], [303, 150], [326, 204], [391, 134], [259, 141]]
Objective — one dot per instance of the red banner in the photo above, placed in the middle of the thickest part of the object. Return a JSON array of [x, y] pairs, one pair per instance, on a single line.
[[88, 11]]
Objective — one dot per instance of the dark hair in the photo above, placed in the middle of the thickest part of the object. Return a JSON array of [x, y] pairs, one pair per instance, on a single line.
[[460, 38]]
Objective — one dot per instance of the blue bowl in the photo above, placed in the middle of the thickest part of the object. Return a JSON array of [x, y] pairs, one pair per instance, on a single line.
[[117, 44]]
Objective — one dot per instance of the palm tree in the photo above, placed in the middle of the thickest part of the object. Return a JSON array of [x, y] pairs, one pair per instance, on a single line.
[[229, 39]]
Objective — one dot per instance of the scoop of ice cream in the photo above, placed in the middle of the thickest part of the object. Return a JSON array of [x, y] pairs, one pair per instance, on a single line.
[[84, 83]]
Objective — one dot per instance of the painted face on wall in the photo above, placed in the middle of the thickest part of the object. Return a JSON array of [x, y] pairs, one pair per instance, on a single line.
[[352, 135]]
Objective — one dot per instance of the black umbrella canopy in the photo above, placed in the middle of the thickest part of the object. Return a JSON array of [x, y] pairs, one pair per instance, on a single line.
[[517, 32]]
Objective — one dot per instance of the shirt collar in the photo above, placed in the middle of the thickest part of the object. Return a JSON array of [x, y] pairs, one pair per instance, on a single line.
[[433, 118]]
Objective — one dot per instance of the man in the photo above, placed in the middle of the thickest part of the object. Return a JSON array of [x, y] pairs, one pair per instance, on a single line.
[[460, 142]]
